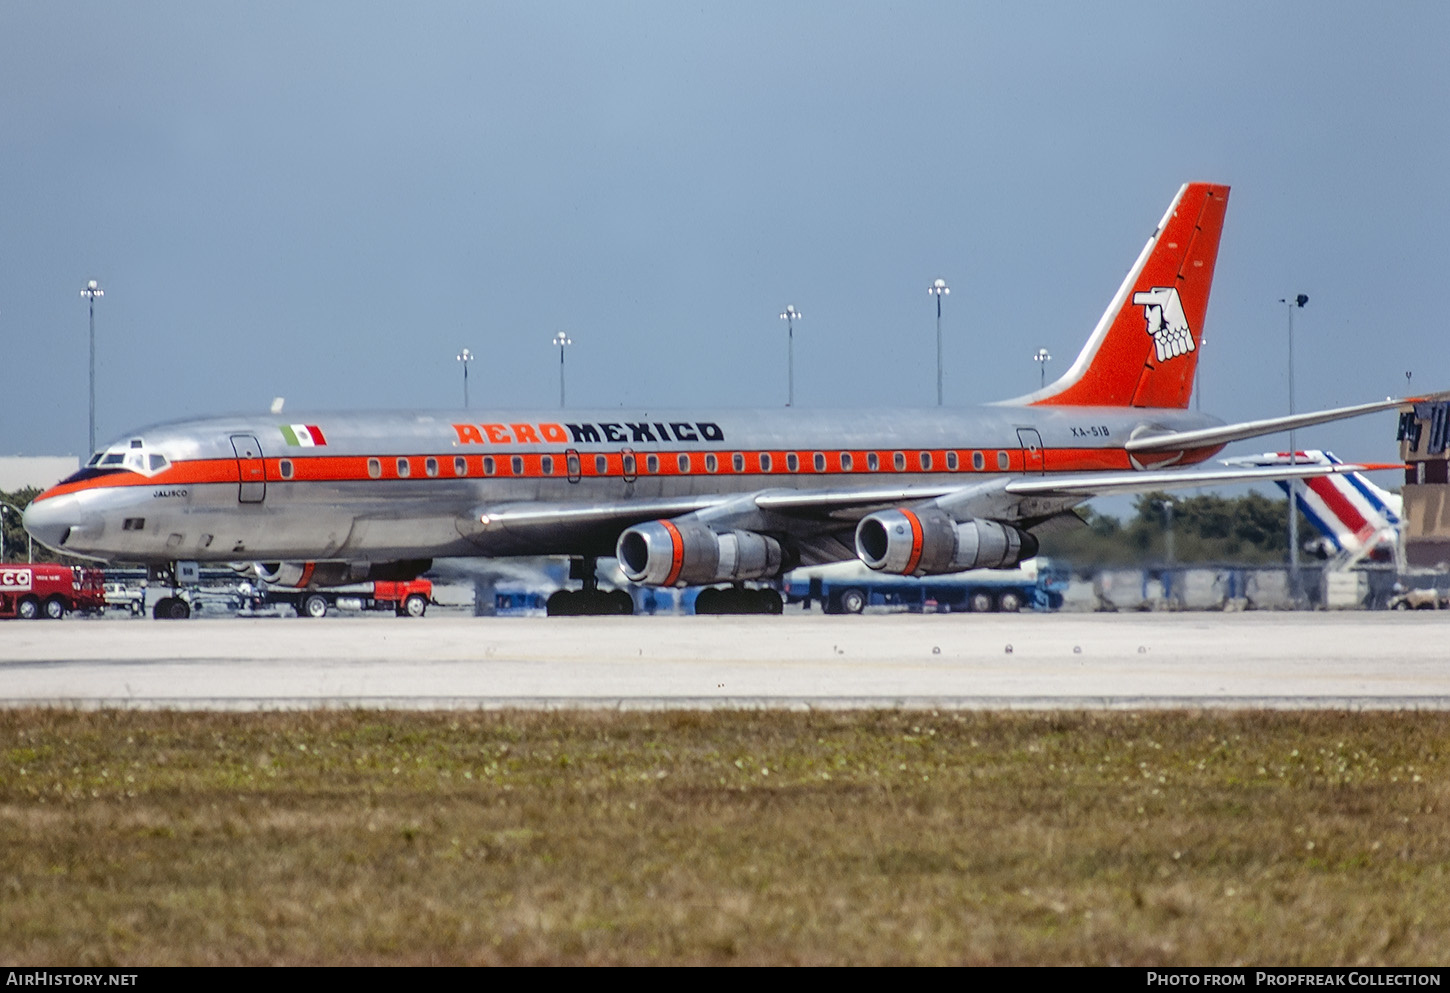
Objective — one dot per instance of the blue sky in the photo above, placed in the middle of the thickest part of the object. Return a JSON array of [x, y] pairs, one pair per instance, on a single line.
[[327, 200]]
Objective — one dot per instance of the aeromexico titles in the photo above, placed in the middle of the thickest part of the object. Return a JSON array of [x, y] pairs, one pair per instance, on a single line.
[[695, 497]]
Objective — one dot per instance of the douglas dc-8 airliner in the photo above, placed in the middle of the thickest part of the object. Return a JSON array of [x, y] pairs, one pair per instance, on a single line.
[[684, 497]]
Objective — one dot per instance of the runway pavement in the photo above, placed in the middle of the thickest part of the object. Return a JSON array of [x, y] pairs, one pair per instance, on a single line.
[[1326, 660]]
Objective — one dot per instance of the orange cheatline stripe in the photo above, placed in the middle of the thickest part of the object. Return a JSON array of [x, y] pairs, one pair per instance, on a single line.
[[178, 474], [354, 468]]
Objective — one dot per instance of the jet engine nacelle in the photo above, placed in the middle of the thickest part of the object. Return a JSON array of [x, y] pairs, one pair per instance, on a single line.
[[930, 542], [663, 553], [312, 575]]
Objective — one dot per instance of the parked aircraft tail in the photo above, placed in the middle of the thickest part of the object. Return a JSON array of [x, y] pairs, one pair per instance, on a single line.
[[1355, 516], [1144, 350]]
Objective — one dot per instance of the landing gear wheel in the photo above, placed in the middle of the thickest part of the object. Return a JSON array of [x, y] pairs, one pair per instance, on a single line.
[[28, 609], [853, 601], [589, 603], [55, 608], [415, 605], [314, 606], [1009, 602], [171, 608], [738, 600]]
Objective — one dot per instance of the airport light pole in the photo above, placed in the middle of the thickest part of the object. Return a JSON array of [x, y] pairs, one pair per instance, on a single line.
[[938, 289], [790, 315], [465, 357], [1294, 303], [20, 516], [89, 293], [1168, 508], [1042, 357], [561, 339]]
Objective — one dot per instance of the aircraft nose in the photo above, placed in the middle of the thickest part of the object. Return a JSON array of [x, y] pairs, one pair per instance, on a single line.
[[49, 521]]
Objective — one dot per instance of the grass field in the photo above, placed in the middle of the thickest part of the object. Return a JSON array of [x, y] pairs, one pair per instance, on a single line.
[[724, 837]]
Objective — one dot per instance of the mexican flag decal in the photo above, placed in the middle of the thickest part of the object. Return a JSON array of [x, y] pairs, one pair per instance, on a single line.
[[303, 435]]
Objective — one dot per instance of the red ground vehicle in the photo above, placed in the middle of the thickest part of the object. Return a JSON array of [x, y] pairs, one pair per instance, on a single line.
[[406, 599], [30, 591]]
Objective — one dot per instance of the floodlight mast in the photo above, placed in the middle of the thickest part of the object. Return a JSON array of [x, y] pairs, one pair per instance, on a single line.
[[89, 293], [19, 516], [561, 339], [938, 289], [1168, 507], [465, 357], [790, 315], [1042, 357], [1295, 303]]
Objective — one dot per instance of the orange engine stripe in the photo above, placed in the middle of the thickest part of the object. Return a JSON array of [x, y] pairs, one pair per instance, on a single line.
[[677, 555], [915, 523]]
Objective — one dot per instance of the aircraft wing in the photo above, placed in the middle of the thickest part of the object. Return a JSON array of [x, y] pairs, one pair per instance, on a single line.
[[806, 503], [533, 514], [820, 521], [1207, 437], [846, 505]]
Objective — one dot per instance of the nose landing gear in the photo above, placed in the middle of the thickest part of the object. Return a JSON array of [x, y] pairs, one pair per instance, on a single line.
[[173, 575], [171, 608]]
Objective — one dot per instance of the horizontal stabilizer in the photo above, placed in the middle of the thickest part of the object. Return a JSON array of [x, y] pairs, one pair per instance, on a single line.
[[1214, 437], [1098, 484]]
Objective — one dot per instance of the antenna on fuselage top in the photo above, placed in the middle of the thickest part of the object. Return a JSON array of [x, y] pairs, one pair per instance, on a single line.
[[277, 403]]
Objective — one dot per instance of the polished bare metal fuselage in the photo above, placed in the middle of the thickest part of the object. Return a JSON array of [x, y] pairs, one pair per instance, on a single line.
[[385, 486]]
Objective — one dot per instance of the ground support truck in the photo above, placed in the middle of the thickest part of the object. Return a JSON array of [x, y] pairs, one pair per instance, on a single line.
[[850, 587], [50, 591], [406, 599]]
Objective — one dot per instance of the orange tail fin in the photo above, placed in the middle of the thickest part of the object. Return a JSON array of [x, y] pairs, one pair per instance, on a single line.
[[1145, 348]]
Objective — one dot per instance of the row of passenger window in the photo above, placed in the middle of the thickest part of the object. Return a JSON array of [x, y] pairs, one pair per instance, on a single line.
[[684, 463]]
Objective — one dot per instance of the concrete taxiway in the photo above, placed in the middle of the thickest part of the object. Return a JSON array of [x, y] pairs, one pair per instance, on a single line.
[[1349, 660]]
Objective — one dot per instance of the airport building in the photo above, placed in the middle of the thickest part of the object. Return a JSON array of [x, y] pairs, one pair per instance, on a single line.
[[19, 472], [1424, 436]]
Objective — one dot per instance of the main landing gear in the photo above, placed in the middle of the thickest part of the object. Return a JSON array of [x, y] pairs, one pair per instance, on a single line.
[[738, 600], [577, 603], [172, 608], [590, 600]]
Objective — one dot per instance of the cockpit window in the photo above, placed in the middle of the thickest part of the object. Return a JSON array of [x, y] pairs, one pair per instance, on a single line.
[[132, 455]]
